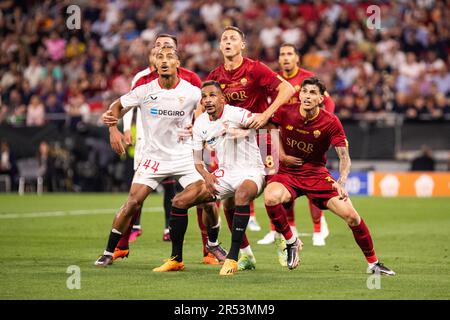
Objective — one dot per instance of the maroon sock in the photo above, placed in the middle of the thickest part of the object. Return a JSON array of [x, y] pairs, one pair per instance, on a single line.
[[124, 240], [202, 227], [290, 213], [229, 213], [278, 217], [364, 241], [316, 214]]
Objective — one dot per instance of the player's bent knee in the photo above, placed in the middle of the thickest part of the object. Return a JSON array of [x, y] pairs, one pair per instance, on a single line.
[[274, 195], [243, 197], [351, 217], [180, 201], [273, 198]]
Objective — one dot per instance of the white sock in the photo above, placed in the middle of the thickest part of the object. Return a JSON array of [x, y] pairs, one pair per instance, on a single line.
[[247, 250], [372, 264], [107, 253], [291, 240], [213, 244], [137, 226]]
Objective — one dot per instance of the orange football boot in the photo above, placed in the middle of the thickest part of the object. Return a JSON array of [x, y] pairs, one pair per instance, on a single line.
[[170, 265], [210, 259], [120, 253]]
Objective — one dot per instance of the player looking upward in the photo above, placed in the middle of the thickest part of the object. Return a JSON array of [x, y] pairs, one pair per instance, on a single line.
[[170, 185], [247, 84], [307, 131], [288, 59], [167, 103], [240, 173]]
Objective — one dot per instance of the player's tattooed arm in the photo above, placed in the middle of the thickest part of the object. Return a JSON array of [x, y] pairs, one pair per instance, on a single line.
[[344, 164], [210, 179]]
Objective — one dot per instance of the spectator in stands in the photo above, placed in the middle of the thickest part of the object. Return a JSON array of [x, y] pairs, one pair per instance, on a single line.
[[425, 161], [54, 111], [46, 166], [8, 164], [35, 112]]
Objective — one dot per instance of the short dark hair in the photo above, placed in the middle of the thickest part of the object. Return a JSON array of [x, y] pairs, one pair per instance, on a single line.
[[166, 35], [212, 83], [288, 44], [235, 29], [316, 82], [170, 47]]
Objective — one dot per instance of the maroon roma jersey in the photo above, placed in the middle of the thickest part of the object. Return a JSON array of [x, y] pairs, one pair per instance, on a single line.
[[308, 139], [296, 81], [248, 86], [183, 73]]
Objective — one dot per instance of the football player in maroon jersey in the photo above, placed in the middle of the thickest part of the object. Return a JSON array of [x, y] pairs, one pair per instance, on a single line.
[[306, 133], [248, 84], [288, 59]]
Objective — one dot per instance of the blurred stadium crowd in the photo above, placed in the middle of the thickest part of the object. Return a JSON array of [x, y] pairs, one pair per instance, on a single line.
[[50, 74]]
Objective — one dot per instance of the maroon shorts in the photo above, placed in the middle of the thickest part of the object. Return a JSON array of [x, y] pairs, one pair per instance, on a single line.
[[318, 190]]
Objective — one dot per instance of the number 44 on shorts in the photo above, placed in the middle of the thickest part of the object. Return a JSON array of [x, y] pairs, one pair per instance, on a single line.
[[153, 165]]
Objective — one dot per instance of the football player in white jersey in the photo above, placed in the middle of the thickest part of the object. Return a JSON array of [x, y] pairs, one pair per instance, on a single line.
[[167, 105], [171, 187], [240, 173]]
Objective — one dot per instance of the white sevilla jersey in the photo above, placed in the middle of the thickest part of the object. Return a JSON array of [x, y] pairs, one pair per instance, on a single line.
[[163, 112], [235, 146]]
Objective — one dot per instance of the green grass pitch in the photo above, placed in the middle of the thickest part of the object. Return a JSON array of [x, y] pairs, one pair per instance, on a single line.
[[40, 237]]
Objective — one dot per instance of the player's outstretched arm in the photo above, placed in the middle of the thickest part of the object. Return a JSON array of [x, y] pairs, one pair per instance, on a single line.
[[285, 92], [344, 170]]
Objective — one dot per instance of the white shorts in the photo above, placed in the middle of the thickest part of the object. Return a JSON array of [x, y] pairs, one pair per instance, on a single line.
[[230, 180], [151, 172], [138, 151]]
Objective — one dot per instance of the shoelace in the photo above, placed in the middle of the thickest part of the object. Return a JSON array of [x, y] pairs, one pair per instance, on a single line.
[[170, 259]]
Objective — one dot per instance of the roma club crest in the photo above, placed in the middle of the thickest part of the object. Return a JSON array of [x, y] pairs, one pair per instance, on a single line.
[[316, 133], [244, 81]]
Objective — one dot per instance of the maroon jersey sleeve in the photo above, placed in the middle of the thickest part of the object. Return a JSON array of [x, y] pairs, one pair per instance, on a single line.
[[337, 134], [329, 104], [266, 77], [195, 80]]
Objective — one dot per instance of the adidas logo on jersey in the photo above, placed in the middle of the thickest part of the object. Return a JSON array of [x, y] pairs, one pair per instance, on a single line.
[[167, 113]]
